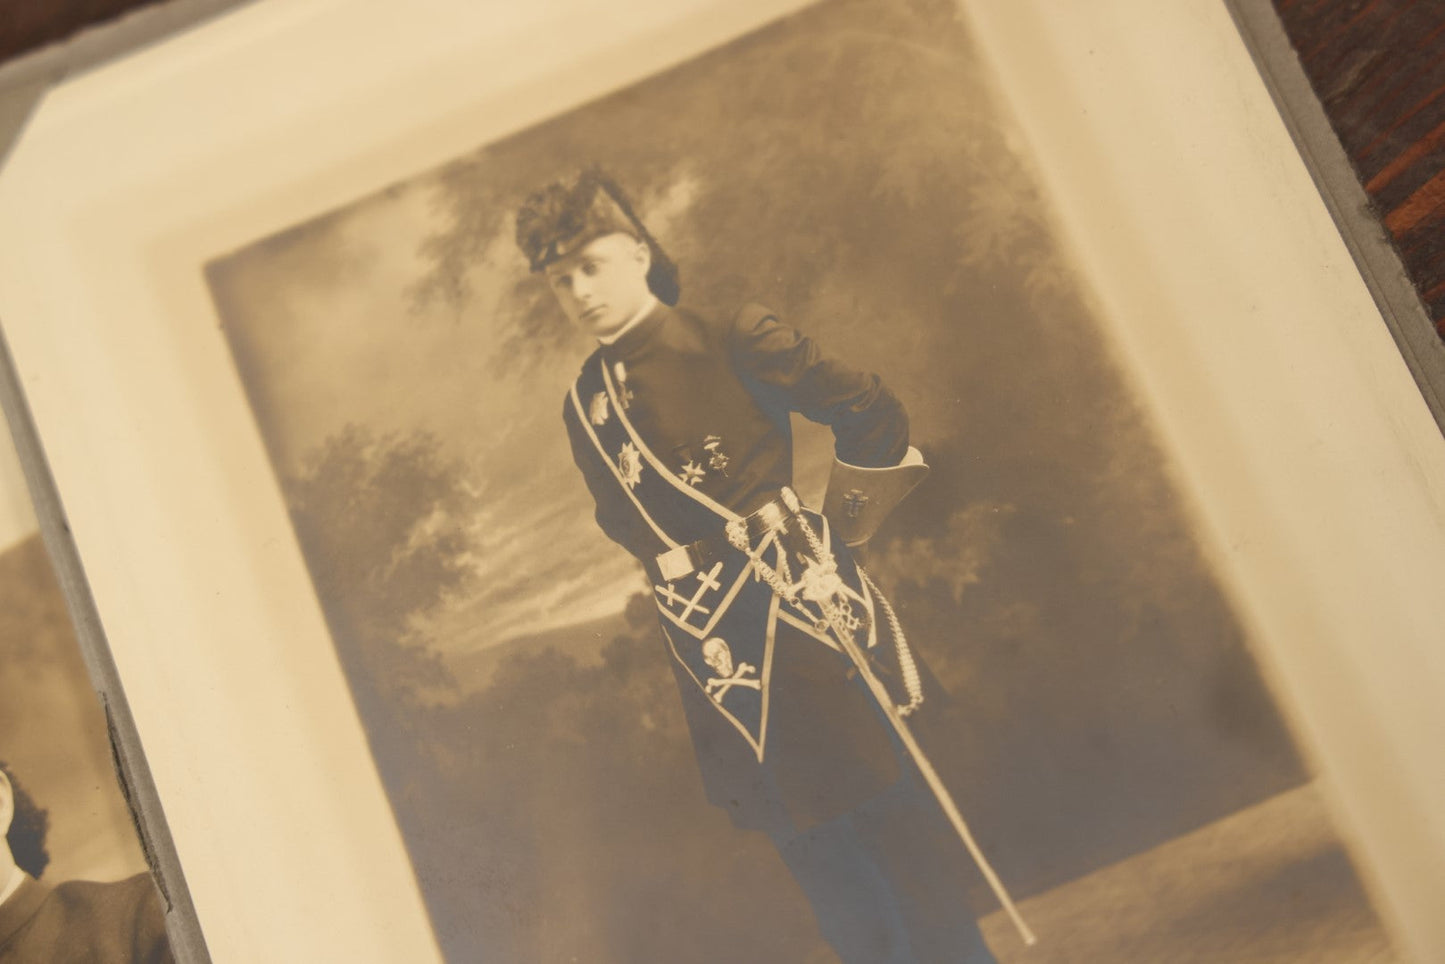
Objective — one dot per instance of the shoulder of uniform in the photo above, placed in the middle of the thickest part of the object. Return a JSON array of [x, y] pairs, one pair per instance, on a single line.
[[581, 370], [692, 315], [728, 326], [77, 893], [589, 362], [699, 324], [724, 315], [738, 325]]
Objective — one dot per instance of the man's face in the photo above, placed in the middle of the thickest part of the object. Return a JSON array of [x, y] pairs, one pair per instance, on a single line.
[[7, 815], [7, 806], [602, 284]]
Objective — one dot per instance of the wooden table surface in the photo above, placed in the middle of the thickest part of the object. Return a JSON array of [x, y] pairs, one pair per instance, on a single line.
[[1378, 67]]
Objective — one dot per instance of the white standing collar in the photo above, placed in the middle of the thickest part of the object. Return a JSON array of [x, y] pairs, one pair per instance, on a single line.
[[642, 313]]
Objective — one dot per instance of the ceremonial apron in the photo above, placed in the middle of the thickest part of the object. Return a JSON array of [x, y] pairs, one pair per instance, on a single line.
[[720, 621]]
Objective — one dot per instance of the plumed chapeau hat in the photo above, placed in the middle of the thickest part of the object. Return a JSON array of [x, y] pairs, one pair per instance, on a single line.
[[561, 218]]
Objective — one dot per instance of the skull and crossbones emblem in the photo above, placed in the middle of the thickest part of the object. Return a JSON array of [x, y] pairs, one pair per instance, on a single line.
[[719, 658]]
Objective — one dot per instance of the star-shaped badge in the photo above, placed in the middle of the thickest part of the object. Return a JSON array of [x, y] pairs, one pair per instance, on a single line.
[[629, 465], [692, 473]]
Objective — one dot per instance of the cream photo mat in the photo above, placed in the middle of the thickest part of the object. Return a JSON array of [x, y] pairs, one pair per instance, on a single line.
[[1313, 467]]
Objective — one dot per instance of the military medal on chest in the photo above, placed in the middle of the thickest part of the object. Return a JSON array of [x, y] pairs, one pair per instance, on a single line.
[[624, 394], [693, 470], [717, 460], [600, 409], [689, 471]]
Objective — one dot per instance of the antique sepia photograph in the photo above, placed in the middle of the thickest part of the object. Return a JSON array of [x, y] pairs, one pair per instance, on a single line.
[[743, 542], [74, 884]]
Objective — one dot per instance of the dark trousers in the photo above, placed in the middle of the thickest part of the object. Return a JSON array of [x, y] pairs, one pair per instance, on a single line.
[[887, 882]]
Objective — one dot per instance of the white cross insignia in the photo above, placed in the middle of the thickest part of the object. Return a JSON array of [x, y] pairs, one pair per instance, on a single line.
[[670, 595], [717, 460], [853, 502], [709, 579], [692, 473], [709, 582]]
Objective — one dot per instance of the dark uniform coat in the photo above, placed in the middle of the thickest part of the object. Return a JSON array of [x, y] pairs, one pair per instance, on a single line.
[[680, 424], [83, 922]]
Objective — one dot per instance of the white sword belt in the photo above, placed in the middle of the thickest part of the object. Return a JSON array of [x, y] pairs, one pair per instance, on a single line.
[[675, 564]]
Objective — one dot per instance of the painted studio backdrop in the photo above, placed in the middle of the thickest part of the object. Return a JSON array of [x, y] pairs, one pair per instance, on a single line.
[[1109, 737]]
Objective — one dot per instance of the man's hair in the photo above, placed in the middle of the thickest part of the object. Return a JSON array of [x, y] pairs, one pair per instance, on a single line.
[[26, 835], [560, 218]]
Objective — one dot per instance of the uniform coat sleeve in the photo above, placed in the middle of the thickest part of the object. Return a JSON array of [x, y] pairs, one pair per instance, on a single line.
[[786, 371]]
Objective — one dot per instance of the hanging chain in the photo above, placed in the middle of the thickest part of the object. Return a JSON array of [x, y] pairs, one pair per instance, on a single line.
[[907, 666], [821, 585]]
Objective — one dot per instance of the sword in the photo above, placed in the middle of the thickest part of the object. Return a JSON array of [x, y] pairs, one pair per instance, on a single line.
[[823, 587], [900, 726]]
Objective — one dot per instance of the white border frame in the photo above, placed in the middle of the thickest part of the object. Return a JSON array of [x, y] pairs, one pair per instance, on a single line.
[[1315, 470], [1314, 466]]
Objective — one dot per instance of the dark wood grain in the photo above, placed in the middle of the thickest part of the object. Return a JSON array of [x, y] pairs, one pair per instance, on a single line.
[[28, 24], [1378, 67]]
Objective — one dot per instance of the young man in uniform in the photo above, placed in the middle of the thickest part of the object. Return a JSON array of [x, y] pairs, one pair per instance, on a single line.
[[679, 423]]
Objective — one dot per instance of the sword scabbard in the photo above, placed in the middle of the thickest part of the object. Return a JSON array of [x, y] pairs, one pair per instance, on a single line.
[[935, 783]]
